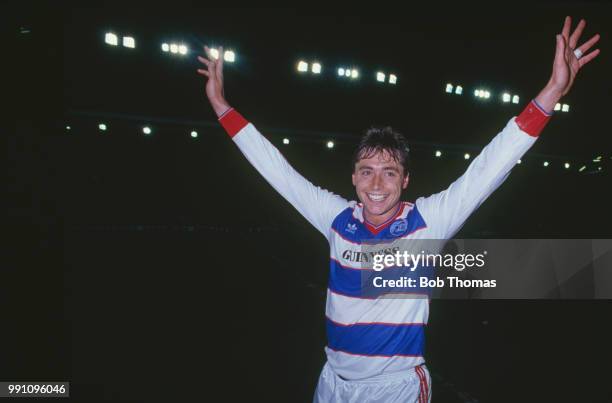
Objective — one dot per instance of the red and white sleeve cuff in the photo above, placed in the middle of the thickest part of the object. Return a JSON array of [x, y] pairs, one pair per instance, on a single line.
[[533, 119], [232, 121]]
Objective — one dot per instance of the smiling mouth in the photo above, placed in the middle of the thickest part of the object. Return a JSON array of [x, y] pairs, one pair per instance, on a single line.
[[377, 197]]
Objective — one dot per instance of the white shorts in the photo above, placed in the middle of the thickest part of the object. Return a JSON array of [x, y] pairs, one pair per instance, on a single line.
[[409, 386]]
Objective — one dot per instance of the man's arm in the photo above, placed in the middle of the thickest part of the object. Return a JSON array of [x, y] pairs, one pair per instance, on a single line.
[[445, 212], [317, 205]]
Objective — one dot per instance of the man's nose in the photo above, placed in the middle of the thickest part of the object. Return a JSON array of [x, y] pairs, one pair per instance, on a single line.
[[377, 182]]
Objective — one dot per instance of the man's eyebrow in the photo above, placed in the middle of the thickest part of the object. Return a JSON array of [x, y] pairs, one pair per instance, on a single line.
[[392, 168]]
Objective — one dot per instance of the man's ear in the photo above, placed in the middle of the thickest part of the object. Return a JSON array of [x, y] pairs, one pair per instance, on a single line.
[[405, 181], [353, 178]]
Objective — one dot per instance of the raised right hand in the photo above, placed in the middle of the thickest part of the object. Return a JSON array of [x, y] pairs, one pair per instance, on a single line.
[[214, 85]]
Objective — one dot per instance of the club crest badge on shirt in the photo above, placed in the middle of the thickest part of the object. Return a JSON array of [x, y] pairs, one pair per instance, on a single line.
[[399, 227]]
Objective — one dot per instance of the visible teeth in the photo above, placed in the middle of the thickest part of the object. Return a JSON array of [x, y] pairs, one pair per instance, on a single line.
[[377, 197]]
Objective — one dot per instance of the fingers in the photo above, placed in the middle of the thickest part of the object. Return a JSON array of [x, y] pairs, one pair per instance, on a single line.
[[573, 40], [567, 24], [588, 44], [560, 50], [203, 72], [587, 58], [204, 60]]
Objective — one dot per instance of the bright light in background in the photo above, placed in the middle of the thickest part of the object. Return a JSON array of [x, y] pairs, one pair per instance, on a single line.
[[316, 68], [476, 93], [354, 74], [102, 127], [129, 42], [519, 161], [565, 108], [392, 79], [194, 134], [545, 163], [449, 88], [340, 71], [214, 53], [566, 165], [146, 130], [330, 144], [582, 168], [506, 97], [165, 47], [173, 48], [487, 94], [229, 56], [515, 99], [438, 153], [459, 90], [347, 72], [302, 66], [111, 39], [380, 77], [182, 49], [68, 127], [466, 156], [557, 107], [285, 141]]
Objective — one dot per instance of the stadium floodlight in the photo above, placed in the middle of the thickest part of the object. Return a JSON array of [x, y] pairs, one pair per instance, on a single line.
[[146, 130], [285, 141], [458, 90], [545, 163], [340, 71], [347, 72], [182, 49], [487, 94], [380, 77], [68, 128], [565, 108], [229, 56], [330, 144], [597, 159], [582, 168], [566, 165], [165, 47], [557, 107], [392, 79], [519, 161], [316, 68], [476, 93], [449, 88], [506, 97], [102, 127], [111, 39], [302, 66], [194, 134], [214, 53], [466, 156], [438, 153], [515, 99], [129, 42], [354, 73], [174, 48]]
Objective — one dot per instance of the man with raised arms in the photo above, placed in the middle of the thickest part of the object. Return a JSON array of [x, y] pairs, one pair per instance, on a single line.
[[375, 345]]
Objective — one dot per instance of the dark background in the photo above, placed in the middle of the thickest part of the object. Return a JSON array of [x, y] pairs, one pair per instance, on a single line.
[[163, 268]]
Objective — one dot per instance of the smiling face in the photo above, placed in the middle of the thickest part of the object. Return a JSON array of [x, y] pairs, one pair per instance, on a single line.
[[379, 181]]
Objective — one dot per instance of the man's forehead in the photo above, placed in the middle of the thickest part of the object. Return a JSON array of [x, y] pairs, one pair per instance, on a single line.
[[379, 158]]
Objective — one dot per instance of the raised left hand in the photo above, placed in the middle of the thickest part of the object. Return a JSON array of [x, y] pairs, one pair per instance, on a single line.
[[566, 64]]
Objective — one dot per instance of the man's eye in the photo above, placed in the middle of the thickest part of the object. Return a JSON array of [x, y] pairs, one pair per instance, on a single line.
[[365, 173], [390, 174]]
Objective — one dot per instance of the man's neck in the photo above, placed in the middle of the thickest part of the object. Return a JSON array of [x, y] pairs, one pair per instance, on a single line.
[[379, 219]]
